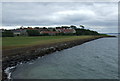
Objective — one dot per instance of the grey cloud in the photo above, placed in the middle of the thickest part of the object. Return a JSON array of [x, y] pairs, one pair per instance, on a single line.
[[60, 13]]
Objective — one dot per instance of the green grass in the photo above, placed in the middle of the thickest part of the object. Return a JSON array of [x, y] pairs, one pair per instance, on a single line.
[[16, 42]]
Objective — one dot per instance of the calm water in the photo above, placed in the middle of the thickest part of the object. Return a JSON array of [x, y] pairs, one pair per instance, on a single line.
[[97, 59]]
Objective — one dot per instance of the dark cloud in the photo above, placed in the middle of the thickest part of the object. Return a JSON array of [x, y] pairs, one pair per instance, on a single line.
[[101, 15]]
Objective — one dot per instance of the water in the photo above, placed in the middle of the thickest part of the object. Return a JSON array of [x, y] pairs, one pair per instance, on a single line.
[[96, 59]]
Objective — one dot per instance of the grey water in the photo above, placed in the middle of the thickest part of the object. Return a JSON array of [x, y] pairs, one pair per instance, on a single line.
[[96, 59]]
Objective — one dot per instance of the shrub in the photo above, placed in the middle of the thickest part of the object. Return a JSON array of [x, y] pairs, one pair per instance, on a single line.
[[33, 32], [7, 33], [86, 32]]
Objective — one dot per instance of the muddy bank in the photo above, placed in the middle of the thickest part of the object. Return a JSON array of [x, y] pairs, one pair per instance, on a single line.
[[16, 56]]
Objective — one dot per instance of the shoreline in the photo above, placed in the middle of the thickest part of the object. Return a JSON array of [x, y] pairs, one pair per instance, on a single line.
[[22, 55]]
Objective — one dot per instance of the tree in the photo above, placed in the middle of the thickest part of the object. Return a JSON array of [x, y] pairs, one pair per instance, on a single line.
[[44, 28], [73, 27], [82, 26], [66, 27], [36, 28], [21, 27], [58, 27]]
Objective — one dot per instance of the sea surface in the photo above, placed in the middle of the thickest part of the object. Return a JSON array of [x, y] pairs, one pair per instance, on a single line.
[[96, 59]]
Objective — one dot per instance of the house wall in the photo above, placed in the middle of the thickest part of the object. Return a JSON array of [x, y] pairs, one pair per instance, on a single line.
[[24, 33], [20, 33], [16, 33]]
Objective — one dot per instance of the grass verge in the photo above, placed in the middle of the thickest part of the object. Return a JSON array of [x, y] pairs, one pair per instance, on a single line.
[[17, 42]]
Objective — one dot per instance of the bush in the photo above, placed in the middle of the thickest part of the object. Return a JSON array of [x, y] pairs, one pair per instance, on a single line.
[[7, 33], [86, 32], [33, 32], [45, 34]]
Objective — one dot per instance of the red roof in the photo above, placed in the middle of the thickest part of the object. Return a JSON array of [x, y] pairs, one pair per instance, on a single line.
[[49, 32], [66, 30]]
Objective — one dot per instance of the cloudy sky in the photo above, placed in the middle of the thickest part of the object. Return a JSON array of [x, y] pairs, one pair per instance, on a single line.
[[99, 16]]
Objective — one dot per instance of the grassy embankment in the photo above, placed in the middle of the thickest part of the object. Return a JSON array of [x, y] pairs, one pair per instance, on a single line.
[[17, 42]]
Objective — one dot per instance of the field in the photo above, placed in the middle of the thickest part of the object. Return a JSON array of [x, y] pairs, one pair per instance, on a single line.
[[16, 42]]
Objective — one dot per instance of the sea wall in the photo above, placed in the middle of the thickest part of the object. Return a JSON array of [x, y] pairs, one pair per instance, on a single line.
[[30, 53]]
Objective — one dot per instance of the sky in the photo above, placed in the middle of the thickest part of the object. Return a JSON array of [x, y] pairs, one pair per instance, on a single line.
[[98, 16]]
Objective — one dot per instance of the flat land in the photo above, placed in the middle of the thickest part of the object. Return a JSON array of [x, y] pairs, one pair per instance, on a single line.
[[18, 42]]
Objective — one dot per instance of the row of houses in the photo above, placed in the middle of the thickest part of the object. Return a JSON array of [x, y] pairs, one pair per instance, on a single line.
[[49, 31]]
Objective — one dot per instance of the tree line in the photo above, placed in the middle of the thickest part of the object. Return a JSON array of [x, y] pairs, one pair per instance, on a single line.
[[79, 31]]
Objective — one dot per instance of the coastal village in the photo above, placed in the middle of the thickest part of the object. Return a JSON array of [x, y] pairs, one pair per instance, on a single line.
[[22, 31], [44, 31]]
